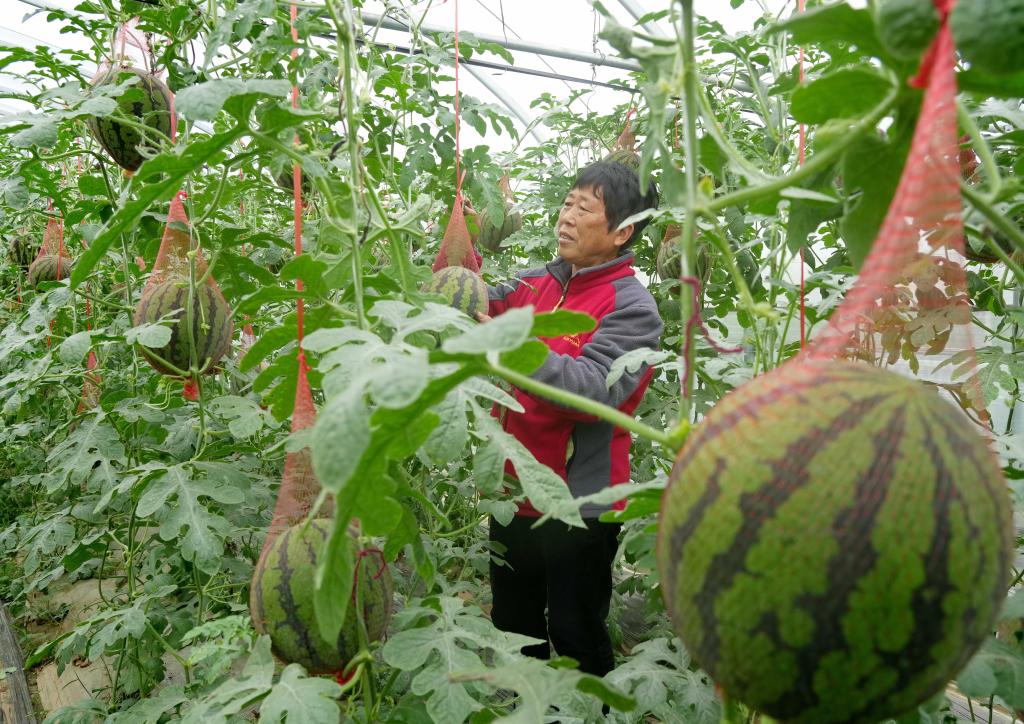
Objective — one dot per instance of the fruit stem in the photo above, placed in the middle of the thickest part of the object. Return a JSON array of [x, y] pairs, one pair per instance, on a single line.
[[816, 164], [988, 162], [983, 203]]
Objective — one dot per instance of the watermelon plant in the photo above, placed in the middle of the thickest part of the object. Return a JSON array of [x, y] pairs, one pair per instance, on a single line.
[[132, 517]]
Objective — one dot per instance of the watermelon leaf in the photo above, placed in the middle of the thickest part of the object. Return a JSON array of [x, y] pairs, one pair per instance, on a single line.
[[658, 674], [561, 322], [300, 699], [505, 332], [171, 168], [447, 645], [846, 93], [205, 530], [236, 693], [203, 101]]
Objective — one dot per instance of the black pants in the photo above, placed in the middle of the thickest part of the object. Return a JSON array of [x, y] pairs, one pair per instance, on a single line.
[[569, 572]]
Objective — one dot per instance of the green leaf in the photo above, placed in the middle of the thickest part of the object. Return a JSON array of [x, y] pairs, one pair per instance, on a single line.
[[547, 491], [157, 180], [235, 693], [847, 93], [560, 323], [340, 437], [203, 101], [75, 347], [299, 699], [504, 332], [93, 443], [991, 86], [830, 24], [871, 170], [245, 417], [996, 670], [657, 673], [447, 645], [527, 358], [172, 497], [152, 335]]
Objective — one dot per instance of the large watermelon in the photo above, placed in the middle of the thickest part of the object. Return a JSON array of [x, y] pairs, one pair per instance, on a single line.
[[834, 543], [464, 289], [281, 603], [147, 99], [212, 327], [49, 268], [23, 250]]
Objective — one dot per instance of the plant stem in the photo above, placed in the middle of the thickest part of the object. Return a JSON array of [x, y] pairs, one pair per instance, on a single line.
[[691, 91], [815, 165], [583, 404], [1016, 237]]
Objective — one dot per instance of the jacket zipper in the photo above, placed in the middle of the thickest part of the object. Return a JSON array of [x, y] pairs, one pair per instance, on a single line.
[[565, 292]]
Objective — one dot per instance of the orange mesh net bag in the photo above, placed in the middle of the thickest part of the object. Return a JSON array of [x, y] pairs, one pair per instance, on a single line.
[[52, 262], [850, 519], [200, 318], [457, 248]]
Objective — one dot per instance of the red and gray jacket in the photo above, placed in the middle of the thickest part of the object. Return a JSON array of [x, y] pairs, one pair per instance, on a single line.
[[588, 453]]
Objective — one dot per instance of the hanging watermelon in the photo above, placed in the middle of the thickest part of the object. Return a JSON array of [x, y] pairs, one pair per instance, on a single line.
[[147, 99]]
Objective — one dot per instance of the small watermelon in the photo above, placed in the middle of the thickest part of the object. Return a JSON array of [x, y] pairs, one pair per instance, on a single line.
[[284, 179], [212, 327], [22, 250], [147, 99], [464, 289], [625, 157], [491, 236], [49, 268], [834, 543], [669, 261], [281, 603]]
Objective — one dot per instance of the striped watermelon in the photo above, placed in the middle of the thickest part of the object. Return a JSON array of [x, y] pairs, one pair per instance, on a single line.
[[49, 268], [465, 290], [212, 327], [834, 543], [284, 179], [669, 260], [624, 156], [491, 236], [22, 250], [281, 603], [148, 100]]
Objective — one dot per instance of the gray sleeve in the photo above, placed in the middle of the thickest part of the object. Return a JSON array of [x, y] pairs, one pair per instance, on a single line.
[[635, 323]]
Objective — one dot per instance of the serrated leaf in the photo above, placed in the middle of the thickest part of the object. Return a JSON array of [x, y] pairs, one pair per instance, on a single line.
[[173, 498], [203, 101], [299, 699], [505, 332]]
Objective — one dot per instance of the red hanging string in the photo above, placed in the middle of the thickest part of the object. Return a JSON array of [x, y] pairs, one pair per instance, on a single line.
[[458, 147], [802, 156], [297, 196]]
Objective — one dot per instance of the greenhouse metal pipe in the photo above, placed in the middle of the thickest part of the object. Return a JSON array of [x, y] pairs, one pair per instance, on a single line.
[[638, 12], [522, 45]]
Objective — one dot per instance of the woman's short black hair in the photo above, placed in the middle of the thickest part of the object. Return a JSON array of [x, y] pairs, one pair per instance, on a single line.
[[618, 186]]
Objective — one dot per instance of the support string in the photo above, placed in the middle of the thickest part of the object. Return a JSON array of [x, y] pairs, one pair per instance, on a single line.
[[458, 147], [297, 197], [802, 156]]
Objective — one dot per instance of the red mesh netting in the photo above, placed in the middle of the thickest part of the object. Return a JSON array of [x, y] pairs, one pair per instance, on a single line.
[[457, 247], [172, 258], [912, 292], [53, 239]]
